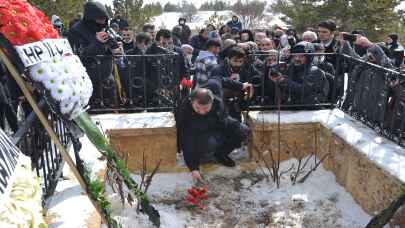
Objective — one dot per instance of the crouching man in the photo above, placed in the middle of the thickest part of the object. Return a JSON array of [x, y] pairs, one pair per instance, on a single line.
[[205, 129]]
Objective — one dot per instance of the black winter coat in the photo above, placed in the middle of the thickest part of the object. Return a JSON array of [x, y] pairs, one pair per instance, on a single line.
[[194, 129], [306, 85], [82, 38]]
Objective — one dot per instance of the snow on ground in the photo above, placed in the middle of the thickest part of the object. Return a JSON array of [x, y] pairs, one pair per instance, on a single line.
[[383, 152], [246, 199], [318, 201], [70, 207], [170, 19], [137, 120], [200, 20]]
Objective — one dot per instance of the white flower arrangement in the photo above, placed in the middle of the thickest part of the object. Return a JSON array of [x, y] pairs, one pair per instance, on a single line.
[[23, 206], [67, 80]]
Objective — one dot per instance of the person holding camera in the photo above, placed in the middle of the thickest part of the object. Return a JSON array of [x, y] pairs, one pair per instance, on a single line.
[[234, 68], [95, 46], [305, 83]]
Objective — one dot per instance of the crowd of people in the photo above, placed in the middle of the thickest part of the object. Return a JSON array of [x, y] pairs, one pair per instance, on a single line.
[[219, 68]]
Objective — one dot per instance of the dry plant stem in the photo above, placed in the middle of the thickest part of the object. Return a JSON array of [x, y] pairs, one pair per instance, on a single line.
[[277, 165], [300, 169], [150, 177], [143, 176], [302, 180], [286, 171], [262, 170], [264, 162], [315, 142]]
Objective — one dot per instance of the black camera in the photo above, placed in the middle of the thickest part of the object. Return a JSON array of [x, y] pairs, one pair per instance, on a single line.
[[113, 38], [278, 69], [349, 37]]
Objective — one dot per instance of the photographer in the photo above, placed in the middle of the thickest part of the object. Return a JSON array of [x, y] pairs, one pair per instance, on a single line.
[[306, 83], [89, 39], [231, 69], [272, 68], [366, 82]]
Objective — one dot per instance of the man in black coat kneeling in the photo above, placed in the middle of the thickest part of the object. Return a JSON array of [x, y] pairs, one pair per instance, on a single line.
[[205, 129]]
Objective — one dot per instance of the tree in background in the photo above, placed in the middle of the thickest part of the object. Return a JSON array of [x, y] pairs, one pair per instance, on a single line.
[[249, 12], [376, 18], [136, 12], [216, 20], [169, 7], [217, 5], [66, 9], [188, 10]]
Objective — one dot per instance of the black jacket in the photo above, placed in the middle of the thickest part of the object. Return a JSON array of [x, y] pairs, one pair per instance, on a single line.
[[128, 46], [82, 38], [185, 34], [306, 84], [198, 42], [194, 129]]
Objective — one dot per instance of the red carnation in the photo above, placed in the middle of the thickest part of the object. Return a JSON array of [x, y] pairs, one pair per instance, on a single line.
[[10, 32]]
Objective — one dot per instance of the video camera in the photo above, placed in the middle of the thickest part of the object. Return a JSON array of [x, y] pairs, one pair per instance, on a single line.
[[113, 38], [278, 69]]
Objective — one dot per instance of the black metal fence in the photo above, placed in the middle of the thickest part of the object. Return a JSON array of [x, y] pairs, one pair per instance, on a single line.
[[138, 83], [370, 93], [34, 142], [376, 96], [151, 83]]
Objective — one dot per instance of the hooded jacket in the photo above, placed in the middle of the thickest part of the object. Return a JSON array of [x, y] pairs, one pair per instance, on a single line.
[[204, 63], [234, 24], [82, 38]]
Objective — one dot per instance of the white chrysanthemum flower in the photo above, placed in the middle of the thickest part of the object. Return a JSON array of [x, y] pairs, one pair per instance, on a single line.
[[42, 72], [66, 106], [61, 92], [59, 88]]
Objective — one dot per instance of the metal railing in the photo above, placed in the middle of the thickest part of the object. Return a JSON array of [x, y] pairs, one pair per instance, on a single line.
[[34, 142], [151, 83], [138, 83], [376, 96], [378, 101]]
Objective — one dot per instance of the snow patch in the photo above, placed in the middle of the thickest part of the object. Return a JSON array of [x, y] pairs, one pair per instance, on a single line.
[[383, 152], [240, 199]]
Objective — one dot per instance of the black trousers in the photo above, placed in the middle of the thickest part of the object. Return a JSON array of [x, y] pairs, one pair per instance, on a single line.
[[223, 143]]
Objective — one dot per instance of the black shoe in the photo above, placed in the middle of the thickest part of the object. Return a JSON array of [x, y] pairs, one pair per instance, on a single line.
[[225, 160]]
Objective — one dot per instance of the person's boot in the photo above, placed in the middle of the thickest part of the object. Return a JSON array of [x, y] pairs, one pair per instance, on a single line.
[[225, 160]]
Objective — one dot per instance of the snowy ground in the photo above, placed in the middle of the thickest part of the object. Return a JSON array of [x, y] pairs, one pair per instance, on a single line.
[[319, 202], [247, 199], [170, 19]]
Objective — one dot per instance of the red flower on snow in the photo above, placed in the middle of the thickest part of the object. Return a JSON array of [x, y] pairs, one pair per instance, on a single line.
[[196, 195]]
